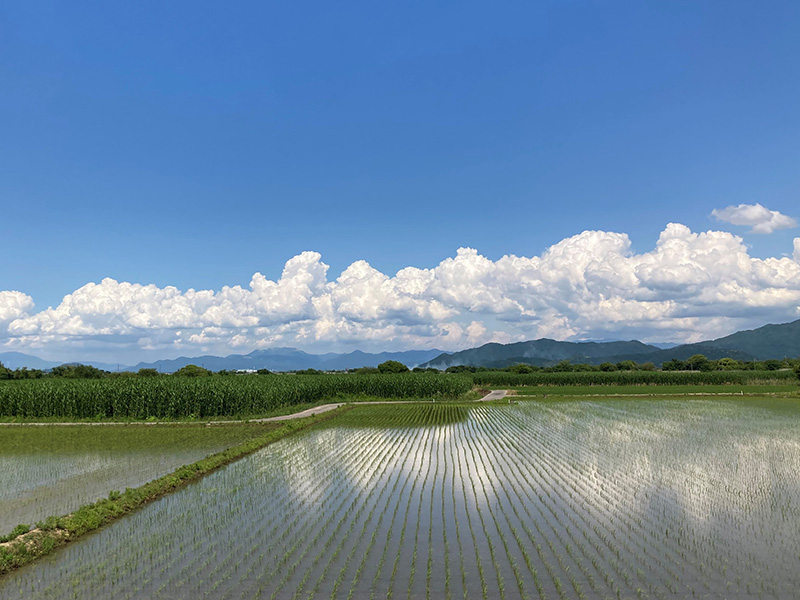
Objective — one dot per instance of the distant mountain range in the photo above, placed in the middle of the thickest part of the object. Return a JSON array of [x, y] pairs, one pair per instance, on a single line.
[[274, 359], [292, 359], [540, 352], [17, 360], [770, 341]]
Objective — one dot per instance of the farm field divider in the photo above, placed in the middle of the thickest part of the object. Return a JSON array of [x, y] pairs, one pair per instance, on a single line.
[[202, 397]]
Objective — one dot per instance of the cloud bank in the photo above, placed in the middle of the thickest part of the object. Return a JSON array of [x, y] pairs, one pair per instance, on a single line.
[[759, 218], [691, 286]]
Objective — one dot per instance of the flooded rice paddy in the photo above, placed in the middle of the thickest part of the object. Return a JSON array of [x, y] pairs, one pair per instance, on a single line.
[[544, 499], [53, 470]]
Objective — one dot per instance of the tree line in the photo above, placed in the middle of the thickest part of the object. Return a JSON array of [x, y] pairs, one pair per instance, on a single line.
[[698, 362], [80, 371]]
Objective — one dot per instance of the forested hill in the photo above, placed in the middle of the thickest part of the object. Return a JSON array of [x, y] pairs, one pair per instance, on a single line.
[[542, 352], [770, 341]]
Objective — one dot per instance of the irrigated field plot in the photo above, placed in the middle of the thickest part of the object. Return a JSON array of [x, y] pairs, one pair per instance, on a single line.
[[52, 470], [550, 499]]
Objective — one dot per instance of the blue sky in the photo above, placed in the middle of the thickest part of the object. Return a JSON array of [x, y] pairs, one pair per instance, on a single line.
[[195, 144]]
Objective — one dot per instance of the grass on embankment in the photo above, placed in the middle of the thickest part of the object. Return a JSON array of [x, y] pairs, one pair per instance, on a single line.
[[23, 546], [655, 390]]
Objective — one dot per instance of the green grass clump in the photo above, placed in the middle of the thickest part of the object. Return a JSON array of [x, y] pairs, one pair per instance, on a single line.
[[16, 532]]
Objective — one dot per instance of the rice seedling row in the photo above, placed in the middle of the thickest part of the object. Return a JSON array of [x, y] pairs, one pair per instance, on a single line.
[[695, 544], [645, 549], [616, 542], [388, 461], [349, 501], [417, 471], [539, 522]]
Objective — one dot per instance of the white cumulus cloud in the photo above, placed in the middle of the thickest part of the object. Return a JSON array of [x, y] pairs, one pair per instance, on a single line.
[[759, 218], [13, 305], [690, 286]]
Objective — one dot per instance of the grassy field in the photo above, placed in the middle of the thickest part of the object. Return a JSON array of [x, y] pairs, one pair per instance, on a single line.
[[561, 498]]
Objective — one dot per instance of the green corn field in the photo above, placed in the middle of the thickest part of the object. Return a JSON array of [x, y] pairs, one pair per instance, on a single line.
[[179, 397]]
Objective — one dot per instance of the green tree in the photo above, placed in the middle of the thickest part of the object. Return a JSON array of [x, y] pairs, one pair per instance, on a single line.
[[674, 365], [460, 369], [4, 372], [122, 374], [148, 373], [368, 371], [25, 373], [699, 362], [78, 372], [608, 366], [520, 368], [626, 365], [727, 364], [392, 366], [192, 371], [308, 372]]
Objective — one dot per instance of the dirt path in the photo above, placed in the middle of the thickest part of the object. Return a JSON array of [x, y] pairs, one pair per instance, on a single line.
[[494, 395], [316, 410]]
